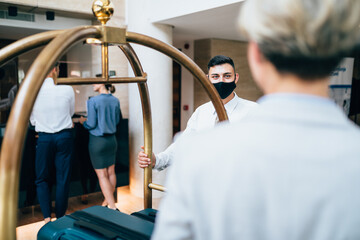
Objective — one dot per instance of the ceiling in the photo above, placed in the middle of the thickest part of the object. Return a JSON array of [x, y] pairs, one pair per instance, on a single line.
[[218, 22], [13, 32]]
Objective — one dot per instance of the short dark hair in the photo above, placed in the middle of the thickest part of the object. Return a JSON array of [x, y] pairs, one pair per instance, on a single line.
[[56, 65], [305, 67], [220, 60]]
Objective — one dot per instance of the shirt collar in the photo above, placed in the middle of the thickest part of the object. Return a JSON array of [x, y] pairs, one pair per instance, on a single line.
[[229, 106], [287, 98], [302, 107], [49, 81]]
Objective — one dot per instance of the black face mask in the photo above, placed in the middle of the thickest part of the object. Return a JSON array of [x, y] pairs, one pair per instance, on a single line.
[[225, 88]]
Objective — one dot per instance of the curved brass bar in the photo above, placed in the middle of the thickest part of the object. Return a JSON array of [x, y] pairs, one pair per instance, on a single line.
[[133, 59], [186, 62], [147, 121], [21, 46], [13, 141]]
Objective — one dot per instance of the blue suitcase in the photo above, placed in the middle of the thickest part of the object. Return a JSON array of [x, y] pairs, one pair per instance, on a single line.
[[148, 214], [96, 223]]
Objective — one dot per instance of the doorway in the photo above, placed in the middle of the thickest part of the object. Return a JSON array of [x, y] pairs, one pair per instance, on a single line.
[[176, 97]]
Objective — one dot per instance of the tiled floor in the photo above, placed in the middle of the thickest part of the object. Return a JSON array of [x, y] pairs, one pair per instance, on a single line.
[[30, 219], [33, 214]]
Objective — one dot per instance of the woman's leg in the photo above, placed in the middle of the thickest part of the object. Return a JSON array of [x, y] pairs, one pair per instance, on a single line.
[[112, 176], [112, 179], [106, 186]]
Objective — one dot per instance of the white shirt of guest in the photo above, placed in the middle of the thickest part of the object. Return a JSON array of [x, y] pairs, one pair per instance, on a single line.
[[205, 117], [53, 108], [288, 171]]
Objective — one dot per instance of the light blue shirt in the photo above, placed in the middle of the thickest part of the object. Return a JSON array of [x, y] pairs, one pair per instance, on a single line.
[[103, 114], [289, 170]]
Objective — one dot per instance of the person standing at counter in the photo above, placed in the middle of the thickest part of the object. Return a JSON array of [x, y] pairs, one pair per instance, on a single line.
[[51, 117], [103, 115]]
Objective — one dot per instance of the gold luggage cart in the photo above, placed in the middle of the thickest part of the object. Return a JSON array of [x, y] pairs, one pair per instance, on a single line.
[[58, 42]]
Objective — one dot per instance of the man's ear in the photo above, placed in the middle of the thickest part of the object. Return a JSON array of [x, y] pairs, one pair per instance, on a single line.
[[53, 73], [236, 77]]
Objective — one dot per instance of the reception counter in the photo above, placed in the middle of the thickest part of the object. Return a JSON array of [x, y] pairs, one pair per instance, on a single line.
[[83, 177]]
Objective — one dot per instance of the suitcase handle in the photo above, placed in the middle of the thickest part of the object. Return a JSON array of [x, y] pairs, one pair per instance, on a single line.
[[95, 228], [150, 217], [88, 221]]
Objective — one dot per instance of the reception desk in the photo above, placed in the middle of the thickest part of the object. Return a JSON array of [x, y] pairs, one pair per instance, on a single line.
[[83, 177]]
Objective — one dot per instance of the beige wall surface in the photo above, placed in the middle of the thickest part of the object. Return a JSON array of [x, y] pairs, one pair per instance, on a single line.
[[206, 49], [70, 8], [73, 11], [79, 6]]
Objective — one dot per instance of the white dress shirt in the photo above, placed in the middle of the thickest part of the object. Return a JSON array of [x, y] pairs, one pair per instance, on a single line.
[[53, 108], [205, 117], [288, 171]]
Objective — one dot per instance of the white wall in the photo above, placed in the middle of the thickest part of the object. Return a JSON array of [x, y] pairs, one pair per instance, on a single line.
[[78, 60]]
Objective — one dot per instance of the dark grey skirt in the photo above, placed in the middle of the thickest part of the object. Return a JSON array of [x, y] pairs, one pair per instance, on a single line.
[[102, 150]]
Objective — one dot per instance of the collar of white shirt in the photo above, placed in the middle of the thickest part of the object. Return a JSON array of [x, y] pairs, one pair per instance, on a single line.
[[49, 82], [229, 106]]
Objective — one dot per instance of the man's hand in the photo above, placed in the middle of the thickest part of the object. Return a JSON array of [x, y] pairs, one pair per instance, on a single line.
[[144, 160]]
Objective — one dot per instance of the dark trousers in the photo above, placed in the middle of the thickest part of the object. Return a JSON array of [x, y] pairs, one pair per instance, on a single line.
[[54, 149]]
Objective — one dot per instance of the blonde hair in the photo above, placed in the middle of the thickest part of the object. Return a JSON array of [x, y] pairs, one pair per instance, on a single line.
[[309, 28]]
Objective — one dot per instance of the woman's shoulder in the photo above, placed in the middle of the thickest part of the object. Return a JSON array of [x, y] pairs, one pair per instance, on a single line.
[[113, 98], [94, 98], [100, 97]]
